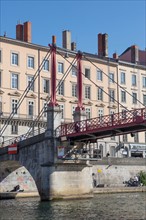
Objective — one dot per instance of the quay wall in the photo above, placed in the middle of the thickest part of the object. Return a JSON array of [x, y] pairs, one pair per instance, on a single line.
[[111, 172]]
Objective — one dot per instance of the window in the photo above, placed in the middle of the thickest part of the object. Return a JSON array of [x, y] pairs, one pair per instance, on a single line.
[[74, 70], [0, 78], [73, 110], [46, 86], [62, 111], [30, 83], [74, 90], [14, 81], [0, 56], [134, 98], [112, 115], [100, 94], [123, 96], [144, 99], [45, 109], [61, 88], [1, 109], [14, 106], [100, 115], [14, 129], [87, 92], [99, 75], [14, 59], [144, 81], [60, 67], [87, 73], [134, 80], [100, 112], [46, 65], [124, 112], [123, 79], [136, 138], [30, 62], [30, 108], [88, 112], [111, 77], [112, 95]]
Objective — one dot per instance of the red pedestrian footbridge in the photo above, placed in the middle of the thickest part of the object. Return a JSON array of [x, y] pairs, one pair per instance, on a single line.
[[104, 126]]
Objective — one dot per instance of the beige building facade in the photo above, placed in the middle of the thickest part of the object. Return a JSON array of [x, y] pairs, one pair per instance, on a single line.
[[109, 86]]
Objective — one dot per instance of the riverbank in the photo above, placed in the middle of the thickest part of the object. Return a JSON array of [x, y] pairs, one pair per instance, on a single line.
[[102, 190], [14, 195], [119, 189]]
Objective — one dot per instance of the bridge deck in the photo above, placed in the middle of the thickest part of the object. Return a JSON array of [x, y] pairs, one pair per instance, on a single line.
[[105, 126]]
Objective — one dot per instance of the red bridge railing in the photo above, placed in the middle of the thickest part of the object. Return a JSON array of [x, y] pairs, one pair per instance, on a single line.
[[121, 119]]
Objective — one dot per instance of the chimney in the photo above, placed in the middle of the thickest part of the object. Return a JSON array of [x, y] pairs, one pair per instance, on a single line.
[[54, 40], [19, 32], [27, 31], [100, 44], [103, 45], [73, 46], [66, 39], [115, 56], [134, 54]]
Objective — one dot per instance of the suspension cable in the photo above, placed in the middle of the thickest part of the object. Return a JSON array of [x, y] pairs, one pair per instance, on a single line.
[[24, 94], [57, 88], [101, 88]]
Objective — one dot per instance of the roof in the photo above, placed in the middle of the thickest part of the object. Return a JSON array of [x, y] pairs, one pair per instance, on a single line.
[[127, 55]]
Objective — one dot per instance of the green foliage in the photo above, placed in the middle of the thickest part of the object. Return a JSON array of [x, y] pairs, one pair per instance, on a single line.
[[142, 175]]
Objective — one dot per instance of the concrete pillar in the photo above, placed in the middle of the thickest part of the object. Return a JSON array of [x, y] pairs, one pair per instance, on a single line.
[[53, 121], [66, 181]]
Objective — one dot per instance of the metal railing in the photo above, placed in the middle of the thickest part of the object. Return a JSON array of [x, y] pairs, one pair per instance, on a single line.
[[22, 137], [104, 122]]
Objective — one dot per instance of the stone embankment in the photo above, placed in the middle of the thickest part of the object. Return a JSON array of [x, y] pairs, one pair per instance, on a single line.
[[119, 189], [98, 190]]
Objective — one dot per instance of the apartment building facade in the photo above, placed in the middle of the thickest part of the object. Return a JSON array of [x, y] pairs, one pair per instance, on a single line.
[[25, 74]]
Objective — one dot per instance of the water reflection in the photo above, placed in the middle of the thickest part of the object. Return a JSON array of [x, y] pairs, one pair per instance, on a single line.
[[125, 206]]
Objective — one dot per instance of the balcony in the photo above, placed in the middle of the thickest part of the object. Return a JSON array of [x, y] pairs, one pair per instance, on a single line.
[[23, 119]]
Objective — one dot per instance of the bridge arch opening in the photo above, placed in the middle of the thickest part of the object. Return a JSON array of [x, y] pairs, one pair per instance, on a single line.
[[13, 174]]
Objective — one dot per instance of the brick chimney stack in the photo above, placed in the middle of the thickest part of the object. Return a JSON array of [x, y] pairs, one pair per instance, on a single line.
[[19, 32], [115, 56], [103, 45], [134, 54], [27, 31], [23, 32], [54, 40], [73, 46], [66, 39]]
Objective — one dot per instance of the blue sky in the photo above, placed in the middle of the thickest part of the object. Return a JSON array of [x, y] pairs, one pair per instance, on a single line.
[[124, 21]]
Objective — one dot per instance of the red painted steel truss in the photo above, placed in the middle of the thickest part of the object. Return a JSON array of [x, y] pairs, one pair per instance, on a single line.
[[105, 126]]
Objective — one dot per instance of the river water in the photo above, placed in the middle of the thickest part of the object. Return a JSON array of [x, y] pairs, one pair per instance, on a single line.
[[121, 206]]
